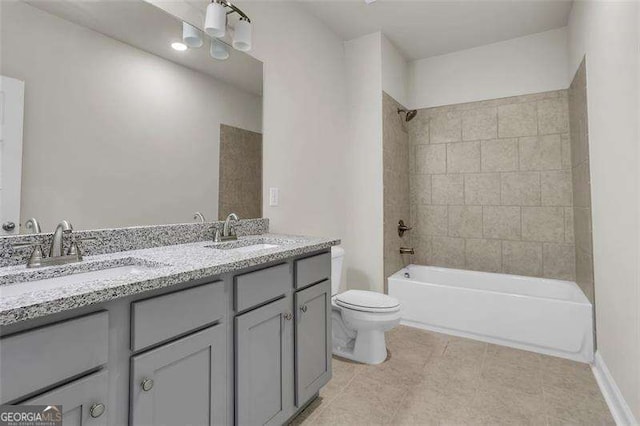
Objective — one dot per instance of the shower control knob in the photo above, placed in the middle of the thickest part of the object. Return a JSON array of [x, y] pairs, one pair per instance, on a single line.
[[402, 228]]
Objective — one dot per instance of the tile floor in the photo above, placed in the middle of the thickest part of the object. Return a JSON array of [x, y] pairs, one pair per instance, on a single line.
[[434, 379]]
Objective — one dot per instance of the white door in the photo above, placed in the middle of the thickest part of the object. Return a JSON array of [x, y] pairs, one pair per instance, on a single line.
[[11, 115]]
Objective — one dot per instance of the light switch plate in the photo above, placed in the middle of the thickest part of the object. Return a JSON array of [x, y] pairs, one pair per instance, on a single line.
[[273, 197]]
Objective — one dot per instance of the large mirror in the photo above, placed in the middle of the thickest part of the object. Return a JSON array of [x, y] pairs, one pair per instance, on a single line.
[[106, 124]]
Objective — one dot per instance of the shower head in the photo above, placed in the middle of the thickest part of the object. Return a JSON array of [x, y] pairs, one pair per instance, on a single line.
[[410, 114]]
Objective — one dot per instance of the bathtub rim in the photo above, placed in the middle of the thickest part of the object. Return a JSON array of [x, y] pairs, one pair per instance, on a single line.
[[398, 275]]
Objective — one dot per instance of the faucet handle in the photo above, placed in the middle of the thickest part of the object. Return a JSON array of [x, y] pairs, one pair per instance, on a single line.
[[37, 255], [74, 249]]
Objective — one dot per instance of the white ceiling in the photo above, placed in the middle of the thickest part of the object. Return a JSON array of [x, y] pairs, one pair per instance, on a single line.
[[424, 28], [151, 29]]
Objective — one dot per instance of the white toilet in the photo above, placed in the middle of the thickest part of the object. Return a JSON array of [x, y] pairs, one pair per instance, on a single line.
[[360, 318]]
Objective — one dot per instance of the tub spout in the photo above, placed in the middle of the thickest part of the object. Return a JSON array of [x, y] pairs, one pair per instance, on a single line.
[[407, 250]]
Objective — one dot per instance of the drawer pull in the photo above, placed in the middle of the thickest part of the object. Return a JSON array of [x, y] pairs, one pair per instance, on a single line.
[[147, 385], [288, 316], [97, 410], [303, 308]]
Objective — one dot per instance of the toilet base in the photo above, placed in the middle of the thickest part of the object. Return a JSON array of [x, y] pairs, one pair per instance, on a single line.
[[361, 341], [368, 347]]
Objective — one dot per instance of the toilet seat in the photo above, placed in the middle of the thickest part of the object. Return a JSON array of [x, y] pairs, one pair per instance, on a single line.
[[367, 301]]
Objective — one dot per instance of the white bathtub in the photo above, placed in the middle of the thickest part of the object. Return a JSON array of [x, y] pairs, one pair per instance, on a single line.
[[552, 317]]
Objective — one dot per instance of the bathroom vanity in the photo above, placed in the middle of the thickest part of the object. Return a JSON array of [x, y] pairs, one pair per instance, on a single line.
[[197, 333]]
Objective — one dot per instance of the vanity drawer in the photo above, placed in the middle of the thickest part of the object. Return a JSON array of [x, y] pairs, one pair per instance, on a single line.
[[162, 317], [261, 286], [313, 269], [39, 358]]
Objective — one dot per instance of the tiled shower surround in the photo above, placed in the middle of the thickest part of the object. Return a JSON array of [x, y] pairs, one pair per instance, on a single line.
[[581, 181], [396, 183], [491, 186]]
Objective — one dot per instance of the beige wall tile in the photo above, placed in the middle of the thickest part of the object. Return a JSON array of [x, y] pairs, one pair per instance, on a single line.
[[448, 252], [555, 188], [520, 189], [568, 225], [581, 185], [543, 224], [431, 159], [418, 131], [558, 261], [541, 152], [482, 189], [566, 151], [553, 116], [465, 221], [522, 258], [501, 222], [431, 220], [463, 157], [499, 155], [484, 255], [480, 124], [517, 120], [422, 248], [584, 273], [447, 189], [582, 229], [445, 127], [420, 189]]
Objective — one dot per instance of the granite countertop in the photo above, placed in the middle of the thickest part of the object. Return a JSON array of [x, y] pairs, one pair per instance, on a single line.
[[150, 269]]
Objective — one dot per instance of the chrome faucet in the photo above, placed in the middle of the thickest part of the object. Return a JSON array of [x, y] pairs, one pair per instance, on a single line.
[[56, 251], [57, 247], [227, 231]]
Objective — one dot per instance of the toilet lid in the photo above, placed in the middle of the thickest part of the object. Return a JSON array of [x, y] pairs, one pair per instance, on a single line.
[[368, 301]]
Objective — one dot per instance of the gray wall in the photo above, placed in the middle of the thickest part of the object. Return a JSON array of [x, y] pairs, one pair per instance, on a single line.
[[491, 186], [114, 136], [581, 181], [240, 173], [395, 159]]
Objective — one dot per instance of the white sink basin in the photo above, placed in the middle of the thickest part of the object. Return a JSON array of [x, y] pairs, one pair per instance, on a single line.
[[254, 247], [18, 288]]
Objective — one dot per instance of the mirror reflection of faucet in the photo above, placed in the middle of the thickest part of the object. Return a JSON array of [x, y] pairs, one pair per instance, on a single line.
[[199, 217]]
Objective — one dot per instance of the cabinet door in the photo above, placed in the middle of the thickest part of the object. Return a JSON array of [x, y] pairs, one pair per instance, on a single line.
[[264, 364], [313, 340], [182, 382], [83, 401]]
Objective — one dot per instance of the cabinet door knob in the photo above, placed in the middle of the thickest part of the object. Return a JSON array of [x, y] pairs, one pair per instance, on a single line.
[[147, 385], [303, 308], [96, 410], [288, 316]]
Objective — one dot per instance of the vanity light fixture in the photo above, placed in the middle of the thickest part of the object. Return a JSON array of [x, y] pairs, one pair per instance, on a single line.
[[191, 36], [179, 46], [219, 50], [215, 24]]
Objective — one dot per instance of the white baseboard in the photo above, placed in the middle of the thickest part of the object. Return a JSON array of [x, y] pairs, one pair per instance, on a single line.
[[617, 405]]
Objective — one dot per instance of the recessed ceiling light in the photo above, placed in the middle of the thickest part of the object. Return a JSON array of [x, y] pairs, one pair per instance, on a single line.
[[369, 1], [179, 46]]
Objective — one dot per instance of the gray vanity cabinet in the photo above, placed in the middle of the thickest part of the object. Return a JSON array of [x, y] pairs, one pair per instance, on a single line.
[[182, 382], [83, 401], [313, 340], [264, 364]]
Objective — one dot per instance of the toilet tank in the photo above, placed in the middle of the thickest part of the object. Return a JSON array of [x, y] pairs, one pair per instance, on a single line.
[[337, 256]]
